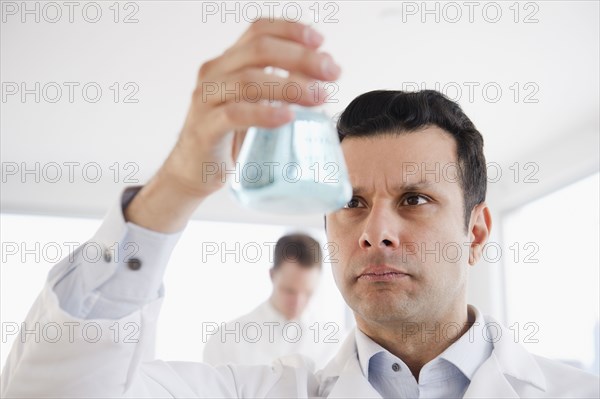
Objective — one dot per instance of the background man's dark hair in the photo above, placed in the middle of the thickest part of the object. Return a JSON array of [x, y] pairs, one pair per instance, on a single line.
[[388, 112], [300, 248]]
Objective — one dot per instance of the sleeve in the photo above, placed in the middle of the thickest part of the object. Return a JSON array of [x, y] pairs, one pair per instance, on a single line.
[[213, 353], [92, 328], [91, 331], [116, 272]]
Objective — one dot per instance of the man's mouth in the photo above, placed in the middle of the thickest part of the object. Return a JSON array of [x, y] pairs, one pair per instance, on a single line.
[[382, 273]]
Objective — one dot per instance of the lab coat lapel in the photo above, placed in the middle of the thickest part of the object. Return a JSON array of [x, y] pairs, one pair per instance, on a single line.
[[490, 382], [345, 369], [507, 359], [352, 383]]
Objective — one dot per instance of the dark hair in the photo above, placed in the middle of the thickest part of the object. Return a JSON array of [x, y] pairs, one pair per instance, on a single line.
[[387, 112], [299, 248]]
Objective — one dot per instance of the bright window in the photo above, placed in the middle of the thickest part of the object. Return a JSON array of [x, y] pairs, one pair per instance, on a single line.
[[552, 278], [30, 246]]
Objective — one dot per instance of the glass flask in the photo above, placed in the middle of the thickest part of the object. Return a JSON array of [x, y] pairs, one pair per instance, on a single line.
[[297, 168]]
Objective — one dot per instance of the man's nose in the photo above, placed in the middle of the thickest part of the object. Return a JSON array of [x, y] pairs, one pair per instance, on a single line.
[[299, 301], [381, 229], [294, 301]]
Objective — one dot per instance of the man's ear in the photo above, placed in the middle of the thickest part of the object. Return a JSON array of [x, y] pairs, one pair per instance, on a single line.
[[480, 227], [325, 222], [271, 273]]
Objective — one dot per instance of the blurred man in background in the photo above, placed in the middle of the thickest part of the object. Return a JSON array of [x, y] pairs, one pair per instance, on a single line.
[[279, 326]]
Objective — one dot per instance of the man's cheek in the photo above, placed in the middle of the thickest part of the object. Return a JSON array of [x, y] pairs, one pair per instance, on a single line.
[[339, 278]]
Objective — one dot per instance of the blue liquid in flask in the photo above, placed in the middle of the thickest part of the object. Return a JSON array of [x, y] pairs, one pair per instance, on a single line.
[[297, 168]]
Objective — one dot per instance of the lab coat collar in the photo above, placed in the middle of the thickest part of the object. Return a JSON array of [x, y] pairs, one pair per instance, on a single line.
[[512, 358], [467, 354], [351, 382], [509, 358], [490, 380]]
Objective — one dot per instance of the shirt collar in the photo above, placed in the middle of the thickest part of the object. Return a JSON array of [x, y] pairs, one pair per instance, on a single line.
[[366, 348], [472, 348], [467, 354]]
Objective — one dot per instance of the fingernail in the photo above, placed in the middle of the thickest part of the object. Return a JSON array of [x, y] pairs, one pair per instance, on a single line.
[[312, 37], [330, 68]]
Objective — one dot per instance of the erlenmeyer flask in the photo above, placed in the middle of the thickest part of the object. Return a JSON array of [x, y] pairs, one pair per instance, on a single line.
[[297, 168]]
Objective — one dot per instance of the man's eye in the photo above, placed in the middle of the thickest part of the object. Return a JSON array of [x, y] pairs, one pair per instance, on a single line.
[[353, 203], [414, 200]]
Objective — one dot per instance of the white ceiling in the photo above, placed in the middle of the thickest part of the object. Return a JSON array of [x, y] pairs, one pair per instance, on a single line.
[[378, 44]]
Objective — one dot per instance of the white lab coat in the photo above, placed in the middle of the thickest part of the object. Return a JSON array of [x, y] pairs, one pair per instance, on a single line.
[[107, 365], [264, 334]]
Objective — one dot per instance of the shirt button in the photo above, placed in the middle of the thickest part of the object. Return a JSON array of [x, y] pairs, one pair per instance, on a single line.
[[396, 367], [107, 255], [134, 264]]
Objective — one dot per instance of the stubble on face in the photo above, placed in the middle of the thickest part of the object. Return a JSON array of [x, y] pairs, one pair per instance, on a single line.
[[430, 288]]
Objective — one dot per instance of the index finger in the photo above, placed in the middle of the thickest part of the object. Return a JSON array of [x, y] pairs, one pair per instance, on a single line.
[[294, 31]]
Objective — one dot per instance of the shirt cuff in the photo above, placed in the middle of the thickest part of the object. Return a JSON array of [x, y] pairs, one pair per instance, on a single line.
[[118, 271]]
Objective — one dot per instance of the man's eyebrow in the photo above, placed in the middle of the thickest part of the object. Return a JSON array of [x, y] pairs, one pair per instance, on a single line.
[[404, 187], [416, 186]]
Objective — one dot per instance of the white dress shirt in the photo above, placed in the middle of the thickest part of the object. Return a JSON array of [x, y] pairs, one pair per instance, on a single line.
[[447, 376]]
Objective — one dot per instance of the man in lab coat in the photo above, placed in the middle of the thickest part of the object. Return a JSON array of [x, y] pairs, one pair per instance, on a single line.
[[279, 326], [406, 240]]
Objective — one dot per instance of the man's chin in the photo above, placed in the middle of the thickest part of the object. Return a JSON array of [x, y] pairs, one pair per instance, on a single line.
[[385, 312]]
